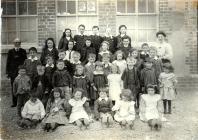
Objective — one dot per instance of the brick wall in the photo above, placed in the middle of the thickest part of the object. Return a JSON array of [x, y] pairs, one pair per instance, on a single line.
[[46, 20], [107, 15]]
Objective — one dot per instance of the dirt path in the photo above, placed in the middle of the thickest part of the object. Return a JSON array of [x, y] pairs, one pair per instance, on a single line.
[[181, 125]]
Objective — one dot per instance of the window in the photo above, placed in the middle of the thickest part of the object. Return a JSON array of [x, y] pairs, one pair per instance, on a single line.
[[140, 17], [19, 19], [71, 13]]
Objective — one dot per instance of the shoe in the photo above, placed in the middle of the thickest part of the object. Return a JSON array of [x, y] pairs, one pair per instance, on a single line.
[[13, 106]]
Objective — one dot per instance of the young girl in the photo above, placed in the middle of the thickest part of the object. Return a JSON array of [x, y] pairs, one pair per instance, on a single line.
[[49, 50], [79, 113], [125, 46], [102, 108], [99, 80], [125, 112], [104, 49], [150, 108], [80, 80], [56, 111], [167, 81], [115, 84], [120, 62], [64, 41]]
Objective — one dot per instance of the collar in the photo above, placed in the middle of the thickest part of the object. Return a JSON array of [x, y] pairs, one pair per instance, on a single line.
[[106, 65], [96, 34], [89, 64], [79, 76], [16, 49], [96, 72], [122, 35], [47, 65], [155, 58], [81, 34], [75, 62], [102, 52], [50, 49], [108, 35], [35, 58], [100, 99]]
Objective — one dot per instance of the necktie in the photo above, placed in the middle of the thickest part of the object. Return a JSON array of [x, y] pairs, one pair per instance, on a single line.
[[69, 55]]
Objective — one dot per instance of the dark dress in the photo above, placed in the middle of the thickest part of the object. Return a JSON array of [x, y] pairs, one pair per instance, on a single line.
[[99, 81], [112, 43], [49, 71], [119, 40], [96, 40], [81, 81], [125, 50], [84, 52], [80, 42], [45, 53], [63, 43]]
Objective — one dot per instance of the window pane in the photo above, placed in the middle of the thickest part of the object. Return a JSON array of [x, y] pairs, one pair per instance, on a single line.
[[82, 6], [121, 6], [129, 21], [22, 8], [11, 8], [32, 8], [3, 5], [71, 7], [23, 24], [142, 6], [11, 37], [11, 24], [130, 6], [27, 24], [61, 7], [142, 35], [3, 38], [142, 22], [152, 22], [28, 37], [151, 6], [32, 24], [66, 22], [151, 35], [91, 6], [3, 26]]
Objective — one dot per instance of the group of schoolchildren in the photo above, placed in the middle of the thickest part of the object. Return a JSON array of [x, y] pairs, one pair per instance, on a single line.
[[93, 77]]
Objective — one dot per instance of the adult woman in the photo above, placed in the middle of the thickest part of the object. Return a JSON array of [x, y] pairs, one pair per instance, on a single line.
[[66, 37]]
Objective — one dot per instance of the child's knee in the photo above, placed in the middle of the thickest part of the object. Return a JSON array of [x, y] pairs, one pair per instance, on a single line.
[[86, 121], [104, 119], [78, 122], [110, 119]]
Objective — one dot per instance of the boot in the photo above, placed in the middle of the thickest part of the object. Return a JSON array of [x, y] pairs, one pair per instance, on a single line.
[[164, 103], [169, 106]]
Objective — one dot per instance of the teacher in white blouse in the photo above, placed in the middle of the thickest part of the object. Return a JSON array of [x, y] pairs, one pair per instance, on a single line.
[[164, 49]]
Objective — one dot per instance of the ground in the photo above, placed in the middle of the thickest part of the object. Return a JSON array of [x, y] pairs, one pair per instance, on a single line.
[[182, 124]]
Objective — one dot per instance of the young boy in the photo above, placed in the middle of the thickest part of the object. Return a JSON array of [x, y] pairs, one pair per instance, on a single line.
[[144, 52], [125, 47], [106, 64], [70, 51], [31, 63], [76, 61], [61, 55], [32, 112], [62, 79], [21, 88], [102, 108]]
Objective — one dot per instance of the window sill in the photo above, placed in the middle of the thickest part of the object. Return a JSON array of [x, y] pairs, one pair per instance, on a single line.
[[74, 15], [136, 14]]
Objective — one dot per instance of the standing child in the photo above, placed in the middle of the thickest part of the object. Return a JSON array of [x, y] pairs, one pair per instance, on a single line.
[[150, 108], [131, 80], [144, 52], [99, 81], [167, 81], [55, 111], [79, 115], [115, 84], [75, 61], [61, 55], [80, 80], [49, 50], [33, 112], [70, 51], [122, 33], [62, 79], [21, 88], [104, 49], [90, 66], [31, 63], [102, 108], [106, 64], [125, 112], [120, 61], [125, 46]]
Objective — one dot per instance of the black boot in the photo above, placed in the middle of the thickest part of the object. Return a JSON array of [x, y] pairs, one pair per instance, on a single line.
[[169, 106], [164, 103]]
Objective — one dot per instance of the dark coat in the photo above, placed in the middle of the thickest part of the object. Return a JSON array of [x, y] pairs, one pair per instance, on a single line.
[[61, 78], [45, 53], [14, 59], [80, 42], [63, 43], [96, 40]]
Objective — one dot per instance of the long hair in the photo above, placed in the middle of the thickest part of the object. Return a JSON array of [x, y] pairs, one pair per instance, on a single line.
[[46, 47], [64, 34]]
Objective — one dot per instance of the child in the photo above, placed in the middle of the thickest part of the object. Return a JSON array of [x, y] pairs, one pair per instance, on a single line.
[[49, 50], [122, 33], [79, 114], [62, 79], [90, 66], [144, 52], [125, 46], [55, 111], [167, 81], [86, 50], [75, 61], [104, 49], [21, 88], [61, 55], [80, 80], [131, 79], [99, 81], [32, 112], [106, 64], [148, 75], [80, 38], [111, 39], [41, 84], [102, 108], [150, 107], [157, 63], [31, 63], [70, 51], [64, 41], [120, 62], [115, 84], [96, 39], [125, 112]]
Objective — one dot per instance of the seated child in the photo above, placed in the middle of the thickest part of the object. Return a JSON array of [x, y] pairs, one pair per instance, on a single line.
[[32, 112], [150, 108], [102, 108], [56, 110], [79, 114], [125, 109]]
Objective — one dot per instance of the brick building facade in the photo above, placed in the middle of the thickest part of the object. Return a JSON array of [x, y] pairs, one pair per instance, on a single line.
[[178, 18]]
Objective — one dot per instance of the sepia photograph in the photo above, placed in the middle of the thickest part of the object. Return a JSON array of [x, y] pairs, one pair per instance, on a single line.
[[99, 70]]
